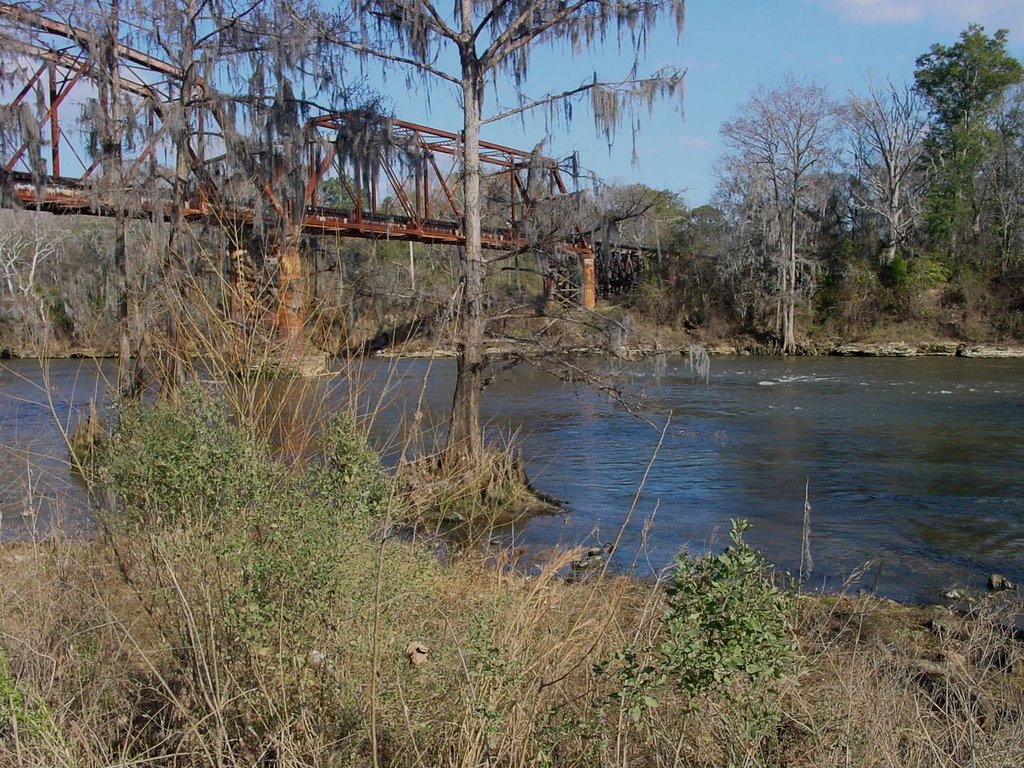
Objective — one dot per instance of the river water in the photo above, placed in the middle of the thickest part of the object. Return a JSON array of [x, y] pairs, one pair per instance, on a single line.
[[913, 469]]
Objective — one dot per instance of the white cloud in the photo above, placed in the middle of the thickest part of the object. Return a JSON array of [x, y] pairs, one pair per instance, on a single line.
[[878, 11], [990, 13], [694, 142]]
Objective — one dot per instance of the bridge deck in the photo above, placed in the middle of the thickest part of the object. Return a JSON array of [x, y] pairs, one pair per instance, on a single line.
[[66, 195]]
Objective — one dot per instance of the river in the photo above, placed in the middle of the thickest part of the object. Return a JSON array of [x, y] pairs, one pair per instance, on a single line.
[[913, 469]]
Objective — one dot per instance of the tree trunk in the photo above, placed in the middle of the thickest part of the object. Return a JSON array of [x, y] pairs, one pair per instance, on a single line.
[[789, 314], [113, 191], [888, 253], [128, 384], [177, 364], [465, 442]]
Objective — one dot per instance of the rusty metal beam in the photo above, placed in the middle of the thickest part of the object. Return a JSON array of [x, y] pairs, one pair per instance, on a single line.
[[431, 148], [84, 38]]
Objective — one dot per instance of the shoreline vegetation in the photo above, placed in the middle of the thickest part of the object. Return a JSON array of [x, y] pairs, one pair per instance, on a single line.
[[718, 348], [751, 348], [241, 609]]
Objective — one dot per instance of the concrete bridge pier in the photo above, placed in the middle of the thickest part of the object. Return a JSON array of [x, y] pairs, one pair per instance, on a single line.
[[292, 313], [291, 301], [588, 293], [282, 321]]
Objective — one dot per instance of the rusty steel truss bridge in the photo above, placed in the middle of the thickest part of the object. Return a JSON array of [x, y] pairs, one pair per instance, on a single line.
[[412, 194]]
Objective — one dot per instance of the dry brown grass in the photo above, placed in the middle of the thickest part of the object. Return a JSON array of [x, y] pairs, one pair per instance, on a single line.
[[118, 659], [470, 500], [890, 685], [120, 654]]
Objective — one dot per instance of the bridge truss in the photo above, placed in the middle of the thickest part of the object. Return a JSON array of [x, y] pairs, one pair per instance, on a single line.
[[406, 187]]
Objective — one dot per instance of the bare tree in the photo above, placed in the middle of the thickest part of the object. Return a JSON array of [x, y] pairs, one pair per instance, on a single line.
[[223, 102], [111, 128], [887, 131], [629, 214], [23, 249], [1002, 181], [26, 246], [186, 36], [117, 117], [491, 40], [250, 77], [785, 135], [748, 261]]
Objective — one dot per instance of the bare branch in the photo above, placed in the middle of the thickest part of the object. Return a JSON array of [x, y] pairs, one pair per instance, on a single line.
[[369, 51], [549, 99], [518, 33]]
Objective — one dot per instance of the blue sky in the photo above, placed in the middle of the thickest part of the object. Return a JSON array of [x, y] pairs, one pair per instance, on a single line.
[[729, 47]]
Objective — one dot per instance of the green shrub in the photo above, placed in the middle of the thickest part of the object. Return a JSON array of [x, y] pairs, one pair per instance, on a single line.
[[351, 474], [305, 552], [725, 647], [14, 709], [286, 543], [897, 272], [24, 719], [294, 559], [725, 620], [728, 645], [640, 677], [850, 298], [917, 274], [929, 272], [174, 464], [1009, 323]]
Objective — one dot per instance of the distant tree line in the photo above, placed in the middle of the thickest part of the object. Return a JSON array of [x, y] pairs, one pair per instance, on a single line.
[[902, 209]]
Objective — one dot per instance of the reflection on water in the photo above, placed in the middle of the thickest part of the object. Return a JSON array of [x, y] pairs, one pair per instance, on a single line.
[[914, 467], [39, 406]]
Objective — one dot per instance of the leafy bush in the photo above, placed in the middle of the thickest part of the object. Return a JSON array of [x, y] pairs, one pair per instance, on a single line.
[[851, 297], [287, 543], [294, 559], [725, 620], [918, 274], [897, 272], [18, 716], [174, 464], [308, 544], [930, 272], [351, 474], [1010, 323], [640, 676], [725, 645]]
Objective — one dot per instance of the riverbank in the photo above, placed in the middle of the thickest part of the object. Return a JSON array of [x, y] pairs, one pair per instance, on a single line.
[[613, 330], [739, 347], [747, 347]]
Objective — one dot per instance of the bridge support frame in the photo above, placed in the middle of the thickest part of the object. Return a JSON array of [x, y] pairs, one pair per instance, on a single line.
[[589, 287], [421, 167], [291, 304]]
